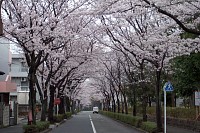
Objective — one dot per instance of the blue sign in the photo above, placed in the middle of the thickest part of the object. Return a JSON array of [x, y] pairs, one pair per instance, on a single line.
[[168, 87]]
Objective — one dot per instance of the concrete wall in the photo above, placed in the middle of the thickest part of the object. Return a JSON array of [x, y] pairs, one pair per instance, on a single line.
[[22, 97], [4, 58], [6, 116]]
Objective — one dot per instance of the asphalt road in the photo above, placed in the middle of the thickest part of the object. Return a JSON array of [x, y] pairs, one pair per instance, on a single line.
[[87, 122]]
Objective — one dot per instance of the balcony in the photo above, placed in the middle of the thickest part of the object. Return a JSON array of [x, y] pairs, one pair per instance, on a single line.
[[19, 71], [22, 88]]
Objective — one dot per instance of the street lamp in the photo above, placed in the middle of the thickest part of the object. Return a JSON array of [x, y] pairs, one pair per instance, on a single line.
[[2, 73]]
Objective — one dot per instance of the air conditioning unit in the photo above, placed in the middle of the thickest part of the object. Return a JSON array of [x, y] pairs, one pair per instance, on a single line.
[[23, 79]]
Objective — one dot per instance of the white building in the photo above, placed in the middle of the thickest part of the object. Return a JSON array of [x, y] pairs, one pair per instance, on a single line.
[[5, 58], [6, 86], [19, 74]]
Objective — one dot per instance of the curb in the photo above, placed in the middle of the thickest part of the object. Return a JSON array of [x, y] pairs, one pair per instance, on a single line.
[[46, 131], [56, 125], [52, 126]]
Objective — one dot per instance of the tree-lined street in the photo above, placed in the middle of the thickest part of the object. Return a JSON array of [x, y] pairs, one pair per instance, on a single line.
[[81, 123], [113, 54]]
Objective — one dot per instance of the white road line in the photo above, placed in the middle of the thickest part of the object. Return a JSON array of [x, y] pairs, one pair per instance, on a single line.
[[93, 128]]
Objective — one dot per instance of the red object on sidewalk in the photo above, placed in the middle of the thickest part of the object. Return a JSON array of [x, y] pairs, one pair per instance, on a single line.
[[30, 118], [57, 101]]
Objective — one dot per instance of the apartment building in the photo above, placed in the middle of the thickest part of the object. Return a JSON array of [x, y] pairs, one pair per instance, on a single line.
[[5, 59], [6, 86], [19, 75]]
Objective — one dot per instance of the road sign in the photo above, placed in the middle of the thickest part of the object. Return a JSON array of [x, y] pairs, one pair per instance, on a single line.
[[57, 101], [168, 87]]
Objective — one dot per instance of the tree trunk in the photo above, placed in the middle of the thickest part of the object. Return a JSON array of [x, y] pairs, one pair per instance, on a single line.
[[122, 103], [113, 102], [108, 104], [125, 104], [44, 110], [32, 95], [67, 104], [72, 107], [134, 102], [144, 95], [173, 99], [118, 103], [149, 100], [78, 109], [144, 107], [158, 104], [44, 106], [61, 106], [51, 104]]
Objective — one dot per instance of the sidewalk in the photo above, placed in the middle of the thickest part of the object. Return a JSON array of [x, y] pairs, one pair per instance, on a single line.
[[12, 129], [171, 129], [15, 128]]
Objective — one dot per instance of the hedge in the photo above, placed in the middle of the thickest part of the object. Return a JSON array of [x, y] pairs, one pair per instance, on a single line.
[[135, 121], [40, 126], [68, 115], [58, 118], [176, 112], [149, 126]]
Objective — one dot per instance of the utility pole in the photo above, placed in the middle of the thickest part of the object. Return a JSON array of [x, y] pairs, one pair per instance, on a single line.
[[1, 23]]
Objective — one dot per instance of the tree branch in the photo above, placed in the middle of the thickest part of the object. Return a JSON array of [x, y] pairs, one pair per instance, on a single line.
[[193, 31]]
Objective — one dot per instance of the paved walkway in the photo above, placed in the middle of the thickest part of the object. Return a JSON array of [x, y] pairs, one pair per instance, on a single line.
[[12, 129], [171, 129], [16, 128]]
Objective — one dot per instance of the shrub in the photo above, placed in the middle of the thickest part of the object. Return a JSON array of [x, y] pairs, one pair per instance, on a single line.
[[184, 113], [136, 121], [30, 129], [67, 115], [129, 119], [58, 118], [176, 112], [40, 126], [149, 126]]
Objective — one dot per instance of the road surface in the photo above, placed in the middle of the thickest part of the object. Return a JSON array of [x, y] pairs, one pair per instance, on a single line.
[[87, 122]]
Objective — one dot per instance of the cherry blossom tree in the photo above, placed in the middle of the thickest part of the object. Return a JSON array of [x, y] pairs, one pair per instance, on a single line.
[[147, 35], [36, 26], [60, 34], [184, 13]]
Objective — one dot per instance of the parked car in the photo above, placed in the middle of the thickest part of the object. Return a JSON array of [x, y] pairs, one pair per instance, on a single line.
[[95, 110]]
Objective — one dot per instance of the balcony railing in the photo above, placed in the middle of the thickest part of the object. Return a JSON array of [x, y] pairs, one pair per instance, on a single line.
[[22, 88], [19, 69]]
